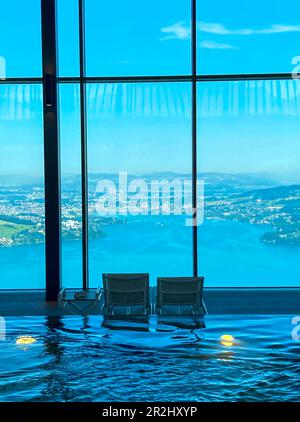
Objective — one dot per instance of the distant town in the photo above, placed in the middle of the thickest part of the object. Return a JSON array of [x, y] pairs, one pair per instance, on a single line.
[[240, 198]]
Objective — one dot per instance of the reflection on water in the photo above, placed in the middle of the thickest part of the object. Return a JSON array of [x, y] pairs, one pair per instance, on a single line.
[[92, 359]]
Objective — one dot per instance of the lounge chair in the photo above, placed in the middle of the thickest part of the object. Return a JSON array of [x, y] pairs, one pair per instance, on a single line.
[[180, 296], [126, 295]]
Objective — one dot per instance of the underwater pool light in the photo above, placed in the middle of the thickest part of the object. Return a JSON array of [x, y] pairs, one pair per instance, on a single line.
[[227, 340], [25, 340]]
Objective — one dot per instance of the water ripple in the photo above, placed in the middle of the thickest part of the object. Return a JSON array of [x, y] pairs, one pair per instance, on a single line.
[[84, 359]]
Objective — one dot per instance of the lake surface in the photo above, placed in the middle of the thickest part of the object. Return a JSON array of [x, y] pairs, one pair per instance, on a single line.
[[230, 254]]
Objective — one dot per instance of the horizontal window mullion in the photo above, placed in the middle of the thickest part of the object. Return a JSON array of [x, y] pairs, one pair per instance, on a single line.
[[22, 81], [245, 77], [178, 78]]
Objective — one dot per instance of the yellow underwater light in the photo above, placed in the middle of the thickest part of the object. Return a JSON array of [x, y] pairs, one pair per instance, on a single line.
[[25, 340], [227, 340]]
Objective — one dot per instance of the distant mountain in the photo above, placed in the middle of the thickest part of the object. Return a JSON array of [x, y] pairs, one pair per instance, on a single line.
[[16, 180], [274, 193], [215, 184], [256, 179], [250, 185], [224, 185]]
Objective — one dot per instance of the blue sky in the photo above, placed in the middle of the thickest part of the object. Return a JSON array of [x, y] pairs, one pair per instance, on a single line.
[[240, 36], [243, 127], [235, 36], [138, 38]]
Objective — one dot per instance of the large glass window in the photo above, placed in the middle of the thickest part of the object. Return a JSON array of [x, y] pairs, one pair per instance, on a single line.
[[249, 159], [20, 39], [71, 198], [139, 137], [22, 225], [138, 38]]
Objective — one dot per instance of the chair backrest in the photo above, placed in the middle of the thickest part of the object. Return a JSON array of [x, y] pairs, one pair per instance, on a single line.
[[126, 289], [178, 291]]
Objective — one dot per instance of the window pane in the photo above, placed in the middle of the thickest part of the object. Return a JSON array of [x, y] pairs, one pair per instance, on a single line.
[[68, 37], [249, 158], [139, 132], [247, 37], [138, 38], [22, 257], [71, 198], [20, 39]]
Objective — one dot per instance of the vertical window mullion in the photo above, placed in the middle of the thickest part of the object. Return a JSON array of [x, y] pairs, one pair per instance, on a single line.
[[194, 137], [51, 151], [84, 170]]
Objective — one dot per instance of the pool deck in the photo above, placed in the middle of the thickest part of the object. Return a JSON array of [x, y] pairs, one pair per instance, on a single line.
[[230, 301]]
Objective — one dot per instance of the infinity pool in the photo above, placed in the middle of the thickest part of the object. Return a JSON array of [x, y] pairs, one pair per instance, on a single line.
[[85, 359]]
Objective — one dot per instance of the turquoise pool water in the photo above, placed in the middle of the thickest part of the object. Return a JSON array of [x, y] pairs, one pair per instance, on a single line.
[[87, 359]]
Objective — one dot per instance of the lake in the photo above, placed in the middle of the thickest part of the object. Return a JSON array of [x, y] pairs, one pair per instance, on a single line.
[[230, 254]]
